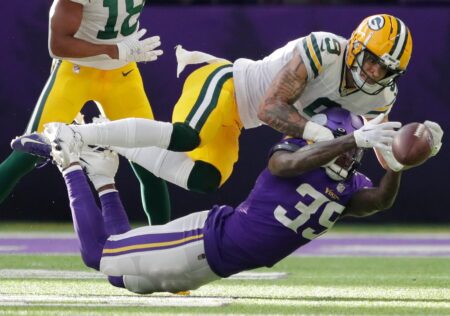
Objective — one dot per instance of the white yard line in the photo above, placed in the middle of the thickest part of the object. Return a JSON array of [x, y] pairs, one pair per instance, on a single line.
[[111, 301], [77, 275]]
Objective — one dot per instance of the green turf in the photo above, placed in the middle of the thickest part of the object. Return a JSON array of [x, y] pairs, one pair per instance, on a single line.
[[66, 227], [314, 286]]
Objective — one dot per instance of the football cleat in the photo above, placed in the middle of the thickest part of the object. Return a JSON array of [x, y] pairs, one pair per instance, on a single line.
[[65, 142], [35, 144], [100, 165]]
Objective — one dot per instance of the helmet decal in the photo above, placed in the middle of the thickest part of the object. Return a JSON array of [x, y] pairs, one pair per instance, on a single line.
[[400, 40], [376, 23]]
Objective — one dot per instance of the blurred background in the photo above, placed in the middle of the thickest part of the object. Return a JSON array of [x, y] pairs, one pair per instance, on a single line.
[[231, 29]]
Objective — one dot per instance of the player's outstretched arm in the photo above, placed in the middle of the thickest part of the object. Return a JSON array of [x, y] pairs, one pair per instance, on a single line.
[[277, 109], [64, 23], [289, 163], [372, 200]]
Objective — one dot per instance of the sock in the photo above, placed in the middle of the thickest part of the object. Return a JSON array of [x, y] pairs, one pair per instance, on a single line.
[[173, 167], [183, 138], [87, 218], [12, 169], [155, 196], [131, 132], [204, 178], [114, 216]]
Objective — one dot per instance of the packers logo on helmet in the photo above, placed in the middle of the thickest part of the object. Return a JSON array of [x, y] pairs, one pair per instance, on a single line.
[[385, 38], [376, 23]]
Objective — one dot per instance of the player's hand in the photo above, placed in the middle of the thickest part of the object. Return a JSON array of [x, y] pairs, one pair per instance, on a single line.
[[100, 165], [132, 48], [390, 160], [437, 133], [376, 134], [316, 132]]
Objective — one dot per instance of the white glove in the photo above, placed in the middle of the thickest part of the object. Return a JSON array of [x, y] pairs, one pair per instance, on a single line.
[[376, 134], [316, 132], [100, 165], [437, 133], [390, 160], [134, 49]]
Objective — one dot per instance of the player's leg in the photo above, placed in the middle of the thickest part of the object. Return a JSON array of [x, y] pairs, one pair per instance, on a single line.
[[169, 257], [127, 98], [175, 167], [154, 194], [53, 105], [208, 107], [87, 217], [101, 166], [197, 104]]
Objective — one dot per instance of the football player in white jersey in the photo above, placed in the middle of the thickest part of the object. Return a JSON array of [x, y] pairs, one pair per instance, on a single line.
[[95, 45], [283, 90]]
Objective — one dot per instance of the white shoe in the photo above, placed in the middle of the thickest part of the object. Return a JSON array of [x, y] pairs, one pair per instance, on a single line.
[[66, 143], [100, 165]]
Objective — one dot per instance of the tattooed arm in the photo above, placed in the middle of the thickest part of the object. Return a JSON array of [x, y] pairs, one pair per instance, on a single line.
[[277, 109]]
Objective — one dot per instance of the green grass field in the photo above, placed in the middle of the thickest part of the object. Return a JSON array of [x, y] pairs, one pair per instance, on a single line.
[[312, 286]]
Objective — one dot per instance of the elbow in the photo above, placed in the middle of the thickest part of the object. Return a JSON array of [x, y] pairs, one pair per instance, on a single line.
[[263, 114], [385, 204], [56, 49], [285, 168], [278, 172]]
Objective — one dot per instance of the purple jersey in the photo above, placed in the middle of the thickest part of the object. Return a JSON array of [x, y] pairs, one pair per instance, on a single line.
[[279, 216]]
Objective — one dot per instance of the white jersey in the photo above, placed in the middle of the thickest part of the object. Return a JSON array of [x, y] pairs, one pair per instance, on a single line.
[[105, 22], [324, 57]]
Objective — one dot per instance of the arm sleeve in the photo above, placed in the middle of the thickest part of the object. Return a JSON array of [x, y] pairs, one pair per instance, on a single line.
[[362, 182], [288, 144]]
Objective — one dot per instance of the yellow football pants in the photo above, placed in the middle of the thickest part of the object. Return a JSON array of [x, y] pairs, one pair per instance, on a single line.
[[120, 92], [208, 105]]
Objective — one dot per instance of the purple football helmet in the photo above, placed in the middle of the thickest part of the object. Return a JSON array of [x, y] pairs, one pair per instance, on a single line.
[[341, 122]]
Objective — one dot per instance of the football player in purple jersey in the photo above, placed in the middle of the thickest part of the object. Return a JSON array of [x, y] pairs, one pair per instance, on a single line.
[[304, 190]]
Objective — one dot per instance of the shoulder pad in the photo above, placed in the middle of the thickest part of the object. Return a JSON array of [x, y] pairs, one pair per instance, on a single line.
[[320, 49], [284, 146]]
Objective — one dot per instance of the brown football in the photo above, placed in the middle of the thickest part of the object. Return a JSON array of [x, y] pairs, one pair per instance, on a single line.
[[412, 144]]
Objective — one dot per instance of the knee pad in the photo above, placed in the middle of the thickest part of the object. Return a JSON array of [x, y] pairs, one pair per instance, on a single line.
[[204, 178], [183, 138]]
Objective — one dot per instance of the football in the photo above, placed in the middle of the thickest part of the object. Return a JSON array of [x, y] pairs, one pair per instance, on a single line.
[[412, 145]]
